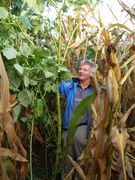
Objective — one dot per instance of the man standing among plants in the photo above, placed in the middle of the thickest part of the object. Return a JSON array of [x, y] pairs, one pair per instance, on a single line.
[[74, 93]]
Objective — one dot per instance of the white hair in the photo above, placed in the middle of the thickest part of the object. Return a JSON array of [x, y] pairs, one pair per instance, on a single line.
[[91, 64]]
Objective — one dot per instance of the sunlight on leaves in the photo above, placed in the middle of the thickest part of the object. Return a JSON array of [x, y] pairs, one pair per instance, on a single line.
[[19, 68], [3, 13], [10, 53]]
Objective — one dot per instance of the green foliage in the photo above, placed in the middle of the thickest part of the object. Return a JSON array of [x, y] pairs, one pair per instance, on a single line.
[[27, 6], [9, 53], [3, 13], [38, 107], [24, 98], [31, 48]]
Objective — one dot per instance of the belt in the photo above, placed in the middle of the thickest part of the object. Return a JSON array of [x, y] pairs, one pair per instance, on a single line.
[[65, 128], [82, 124]]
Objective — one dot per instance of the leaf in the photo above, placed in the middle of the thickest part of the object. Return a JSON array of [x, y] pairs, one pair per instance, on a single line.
[[26, 81], [124, 118], [77, 115], [4, 88], [38, 107], [25, 20], [25, 50], [62, 68], [128, 61], [3, 13], [19, 68], [76, 44], [47, 87], [16, 112], [48, 74], [33, 82], [121, 26], [106, 35], [9, 129], [77, 167], [129, 167], [14, 155], [9, 53], [14, 80], [119, 140], [127, 74], [24, 98]]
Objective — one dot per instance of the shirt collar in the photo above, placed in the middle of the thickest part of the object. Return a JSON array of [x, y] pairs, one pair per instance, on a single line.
[[78, 85]]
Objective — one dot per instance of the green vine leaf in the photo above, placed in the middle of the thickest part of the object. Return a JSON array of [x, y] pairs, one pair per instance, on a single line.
[[63, 69], [26, 22], [19, 68], [48, 74], [24, 98], [3, 13], [25, 50], [38, 107], [10, 53]]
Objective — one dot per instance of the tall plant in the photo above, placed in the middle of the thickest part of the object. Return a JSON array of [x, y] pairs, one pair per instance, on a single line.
[[115, 60]]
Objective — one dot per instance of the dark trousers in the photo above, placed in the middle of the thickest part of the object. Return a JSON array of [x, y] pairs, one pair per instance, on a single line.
[[77, 147]]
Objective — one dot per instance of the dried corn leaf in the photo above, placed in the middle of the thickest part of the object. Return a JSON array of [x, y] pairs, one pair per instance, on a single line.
[[131, 143], [101, 139], [130, 130], [3, 173], [76, 44], [112, 87], [77, 52], [23, 170], [20, 146], [70, 174], [1, 136], [79, 30], [119, 140], [109, 86], [106, 36], [77, 167], [121, 26], [128, 61], [124, 118], [64, 27], [4, 89], [67, 60], [102, 164], [129, 167], [127, 74], [117, 72], [11, 134], [9, 128], [70, 23], [14, 155]]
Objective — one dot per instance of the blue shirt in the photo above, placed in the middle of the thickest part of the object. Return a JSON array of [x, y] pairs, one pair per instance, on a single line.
[[68, 89], [79, 96]]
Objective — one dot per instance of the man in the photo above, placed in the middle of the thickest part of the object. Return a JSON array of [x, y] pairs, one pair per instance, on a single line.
[[75, 92]]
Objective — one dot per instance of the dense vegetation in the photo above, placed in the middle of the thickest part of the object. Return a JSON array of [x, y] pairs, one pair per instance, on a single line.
[[36, 54]]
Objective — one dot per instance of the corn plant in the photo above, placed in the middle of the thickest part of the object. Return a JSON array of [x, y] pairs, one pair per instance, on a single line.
[[108, 151]]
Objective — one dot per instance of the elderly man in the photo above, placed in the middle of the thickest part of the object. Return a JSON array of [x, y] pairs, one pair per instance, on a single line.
[[74, 92]]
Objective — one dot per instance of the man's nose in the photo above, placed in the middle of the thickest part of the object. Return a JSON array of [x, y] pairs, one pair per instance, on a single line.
[[81, 70]]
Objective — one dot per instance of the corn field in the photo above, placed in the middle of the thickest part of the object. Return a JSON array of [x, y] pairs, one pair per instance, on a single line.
[[36, 54]]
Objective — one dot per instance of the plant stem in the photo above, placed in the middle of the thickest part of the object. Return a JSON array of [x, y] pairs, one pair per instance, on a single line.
[[59, 42], [59, 129], [25, 35], [31, 137], [58, 101]]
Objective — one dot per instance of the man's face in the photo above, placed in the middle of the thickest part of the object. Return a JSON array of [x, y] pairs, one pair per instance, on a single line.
[[84, 72]]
